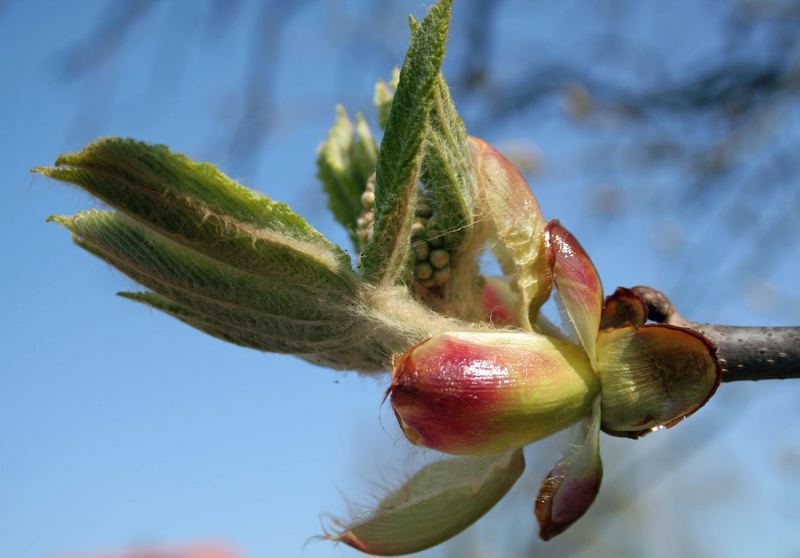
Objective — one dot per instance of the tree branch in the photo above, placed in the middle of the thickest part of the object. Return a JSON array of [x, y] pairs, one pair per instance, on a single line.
[[745, 353]]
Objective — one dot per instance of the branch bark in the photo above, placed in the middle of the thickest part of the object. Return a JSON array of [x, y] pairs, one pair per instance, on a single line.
[[745, 353]]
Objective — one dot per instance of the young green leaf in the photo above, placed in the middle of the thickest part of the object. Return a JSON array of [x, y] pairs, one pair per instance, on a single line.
[[334, 169], [449, 177], [384, 93], [364, 152], [385, 260], [438, 502], [266, 315], [447, 167], [345, 162], [362, 357], [572, 485], [199, 207], [347, 331]]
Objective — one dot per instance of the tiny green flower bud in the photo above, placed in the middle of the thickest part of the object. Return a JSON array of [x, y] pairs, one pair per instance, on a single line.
[[439, 258], [451, 241], [435, 238], [477, 393], [424, 210], [423, 270], [441, 276], [368, 198], [429, 283], [421, 250], [417, 230]]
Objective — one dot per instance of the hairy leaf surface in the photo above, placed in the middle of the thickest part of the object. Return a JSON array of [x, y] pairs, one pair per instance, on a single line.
[[385, 260], [199, 207], [345, 162], [438, 502]]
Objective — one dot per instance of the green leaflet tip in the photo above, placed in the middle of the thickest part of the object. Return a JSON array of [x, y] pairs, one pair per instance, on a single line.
[[63, 220], [443, 5], [77, 157], [137, 296]]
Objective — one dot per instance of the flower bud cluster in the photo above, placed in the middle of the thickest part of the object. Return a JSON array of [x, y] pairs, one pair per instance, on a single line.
[[428, 248], [429, 252], [366, 221]]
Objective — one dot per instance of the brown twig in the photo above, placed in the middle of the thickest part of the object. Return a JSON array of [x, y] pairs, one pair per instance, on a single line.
[[745, 353]]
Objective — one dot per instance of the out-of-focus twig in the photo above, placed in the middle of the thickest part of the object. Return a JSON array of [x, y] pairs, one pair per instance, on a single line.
[[105, 39]]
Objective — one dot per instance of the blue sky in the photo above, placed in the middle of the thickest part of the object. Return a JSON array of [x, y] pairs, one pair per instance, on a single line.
[[121, 426]]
